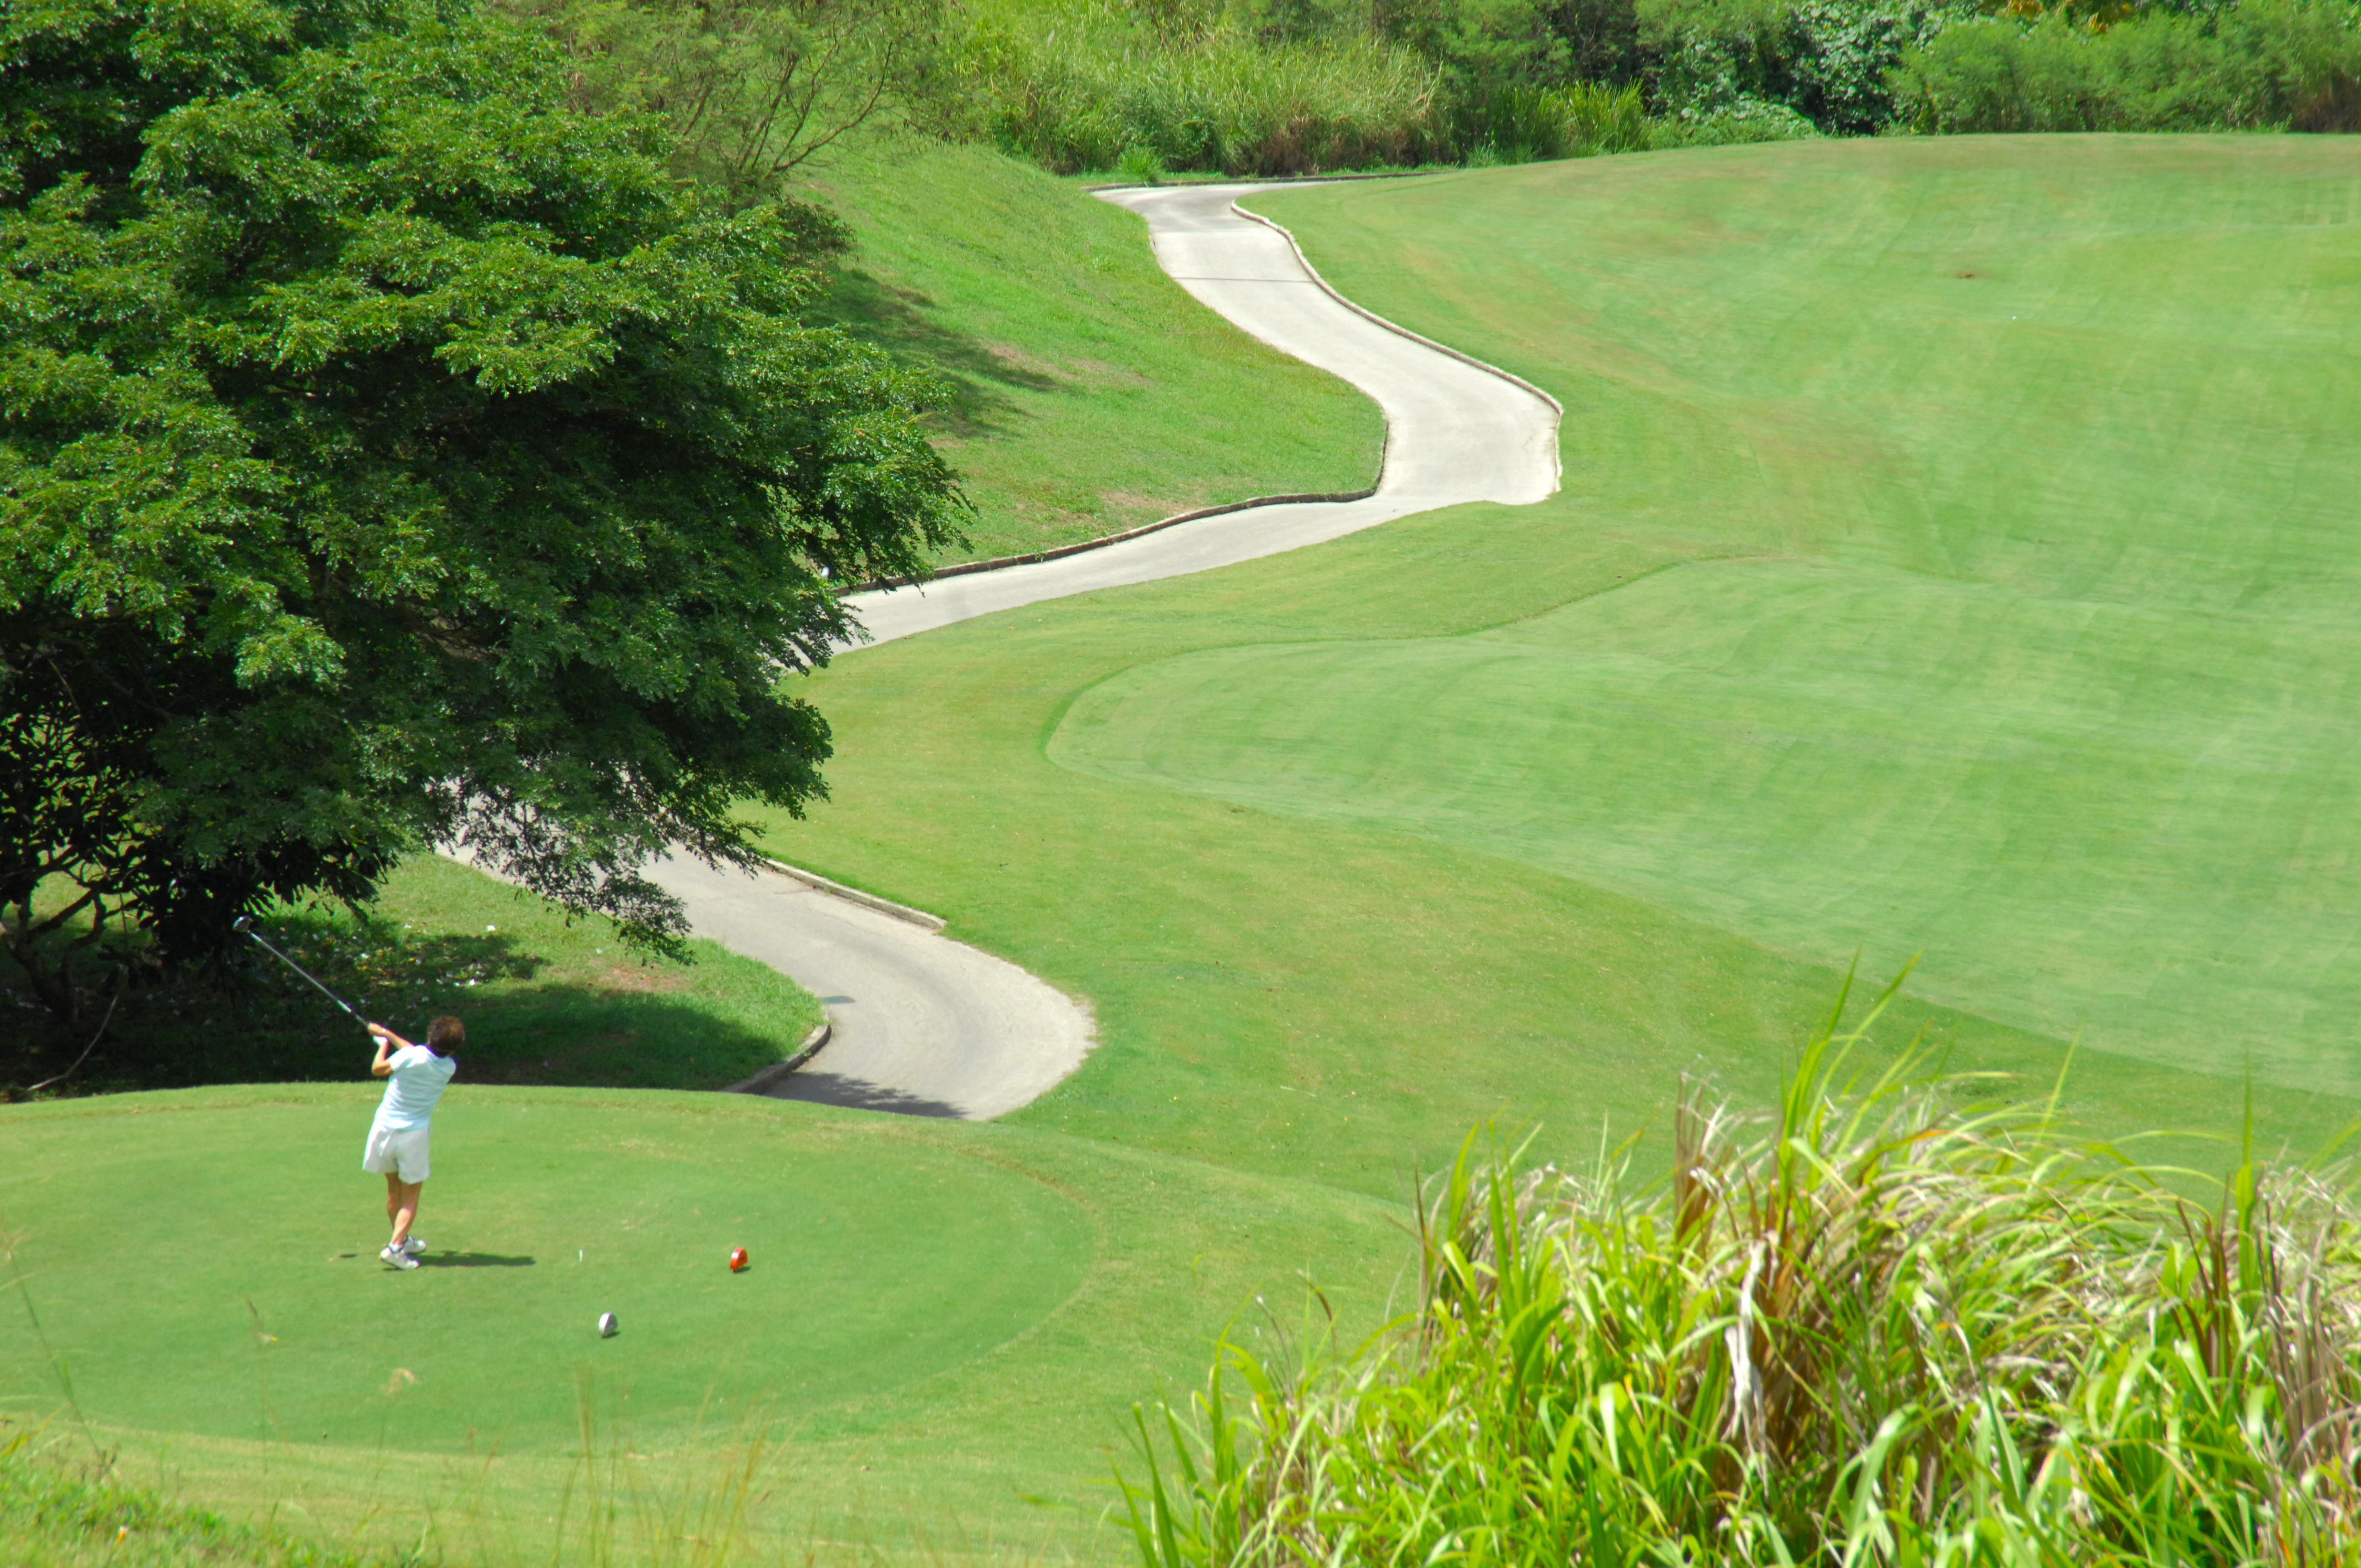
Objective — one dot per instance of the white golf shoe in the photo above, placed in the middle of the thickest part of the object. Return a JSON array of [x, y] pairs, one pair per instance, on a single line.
[[398, 1258]]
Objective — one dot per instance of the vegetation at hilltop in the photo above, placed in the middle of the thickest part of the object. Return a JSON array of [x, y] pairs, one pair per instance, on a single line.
[[1088, 393], [1277, 87]]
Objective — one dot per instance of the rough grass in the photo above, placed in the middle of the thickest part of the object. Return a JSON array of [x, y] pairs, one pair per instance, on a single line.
[[53, 1516], [1090, 394], [545, 1001], [1885, 1324]]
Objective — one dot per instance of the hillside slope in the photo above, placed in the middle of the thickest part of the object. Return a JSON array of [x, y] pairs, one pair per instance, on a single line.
[[1092, 394]]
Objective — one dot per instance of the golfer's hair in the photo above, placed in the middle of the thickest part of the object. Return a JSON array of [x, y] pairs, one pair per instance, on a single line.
[[445, 1034]]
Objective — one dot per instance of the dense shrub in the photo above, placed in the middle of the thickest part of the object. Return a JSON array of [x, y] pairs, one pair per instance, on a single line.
[[1828, 60], [1729, 123], [2268, 64]]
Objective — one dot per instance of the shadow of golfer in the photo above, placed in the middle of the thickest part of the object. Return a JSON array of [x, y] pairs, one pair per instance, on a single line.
[[472, 1260]]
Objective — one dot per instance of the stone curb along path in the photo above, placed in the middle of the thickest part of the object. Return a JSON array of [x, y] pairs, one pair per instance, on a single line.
[[925, 1025]]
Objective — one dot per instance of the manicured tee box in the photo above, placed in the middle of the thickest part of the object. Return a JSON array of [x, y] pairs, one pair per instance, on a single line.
[[240, 1294]]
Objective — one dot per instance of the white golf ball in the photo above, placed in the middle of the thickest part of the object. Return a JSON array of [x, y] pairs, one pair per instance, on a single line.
[[606, 1325]]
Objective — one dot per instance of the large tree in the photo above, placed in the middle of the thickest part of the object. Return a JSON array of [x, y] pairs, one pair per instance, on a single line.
[[391, 456]]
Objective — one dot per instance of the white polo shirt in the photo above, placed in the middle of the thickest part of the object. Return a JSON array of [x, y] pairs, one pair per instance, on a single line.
[[413, 1084]]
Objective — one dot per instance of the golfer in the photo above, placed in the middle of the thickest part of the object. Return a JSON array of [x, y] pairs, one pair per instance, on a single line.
[[414, 1077]]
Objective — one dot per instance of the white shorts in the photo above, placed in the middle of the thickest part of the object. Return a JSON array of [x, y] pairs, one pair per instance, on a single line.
[[396, 1151]]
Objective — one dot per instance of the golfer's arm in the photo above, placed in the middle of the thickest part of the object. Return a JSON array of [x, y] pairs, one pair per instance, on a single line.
[[387, 1040]]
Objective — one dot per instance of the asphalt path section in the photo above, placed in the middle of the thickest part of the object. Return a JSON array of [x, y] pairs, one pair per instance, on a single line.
[[925, 1025], [918, 1024]]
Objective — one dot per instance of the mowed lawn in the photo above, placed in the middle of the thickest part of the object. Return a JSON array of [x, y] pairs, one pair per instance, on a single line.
[[2008, 554], [1953, 560], [938, 1341]]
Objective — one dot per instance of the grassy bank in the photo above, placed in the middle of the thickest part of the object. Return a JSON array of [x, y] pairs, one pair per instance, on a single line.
[[1091, 394]]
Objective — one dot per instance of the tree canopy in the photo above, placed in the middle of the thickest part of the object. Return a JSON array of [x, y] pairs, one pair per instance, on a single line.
[[390, 455]]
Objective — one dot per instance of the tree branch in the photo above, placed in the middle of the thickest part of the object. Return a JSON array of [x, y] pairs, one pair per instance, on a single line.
[[68, 1072]]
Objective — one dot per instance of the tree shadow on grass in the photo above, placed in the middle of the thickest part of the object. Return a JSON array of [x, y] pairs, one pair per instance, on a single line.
[[632, 1027], [859, 1094], [899, 322]]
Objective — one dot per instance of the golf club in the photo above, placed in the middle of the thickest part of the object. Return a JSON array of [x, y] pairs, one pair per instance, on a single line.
[[246, 925]]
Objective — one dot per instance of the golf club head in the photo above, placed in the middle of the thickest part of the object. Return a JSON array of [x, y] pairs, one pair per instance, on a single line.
[[243, 924]]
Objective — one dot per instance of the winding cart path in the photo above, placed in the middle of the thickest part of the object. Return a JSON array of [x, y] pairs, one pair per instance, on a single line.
[[928, 1025]]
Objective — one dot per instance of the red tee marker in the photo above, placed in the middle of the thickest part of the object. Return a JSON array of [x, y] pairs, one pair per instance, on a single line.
[[737, 1259]]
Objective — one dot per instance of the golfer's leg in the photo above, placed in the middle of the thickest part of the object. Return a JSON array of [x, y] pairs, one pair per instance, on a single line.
[[406, 1214], [392, 1195]]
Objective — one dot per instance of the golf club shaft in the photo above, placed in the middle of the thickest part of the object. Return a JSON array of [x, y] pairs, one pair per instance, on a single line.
[[307, 974]]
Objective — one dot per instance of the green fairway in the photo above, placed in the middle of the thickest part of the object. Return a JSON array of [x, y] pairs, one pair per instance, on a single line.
[[2009, 567], [1868, 618], [939, 1322], [1091, 394]]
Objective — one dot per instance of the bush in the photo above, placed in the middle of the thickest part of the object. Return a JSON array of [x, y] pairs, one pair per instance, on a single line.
[[1886, 1329], [1729, 124], [1826, 61], [2267, 65], [1599, 119], [1140, 166]]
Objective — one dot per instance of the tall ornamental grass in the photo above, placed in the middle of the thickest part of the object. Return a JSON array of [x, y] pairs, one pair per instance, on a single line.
[[1884, 1325], [1579, 119], [1076, 86]]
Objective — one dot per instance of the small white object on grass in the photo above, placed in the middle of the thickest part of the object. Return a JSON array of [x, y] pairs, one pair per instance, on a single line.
[[606, 1325]]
